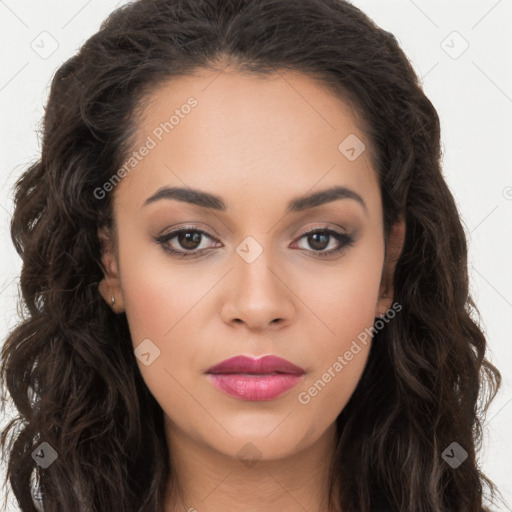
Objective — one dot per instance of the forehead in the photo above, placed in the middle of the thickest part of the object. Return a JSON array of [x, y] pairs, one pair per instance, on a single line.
[[247, 136]]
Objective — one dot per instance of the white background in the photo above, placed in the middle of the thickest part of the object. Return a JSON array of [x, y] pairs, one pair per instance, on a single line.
[[473, 96]]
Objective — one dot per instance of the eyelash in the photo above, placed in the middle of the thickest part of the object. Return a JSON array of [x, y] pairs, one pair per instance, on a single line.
[[344, 239]]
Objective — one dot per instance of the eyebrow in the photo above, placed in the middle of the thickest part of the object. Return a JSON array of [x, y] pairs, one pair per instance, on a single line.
[[298, 204]]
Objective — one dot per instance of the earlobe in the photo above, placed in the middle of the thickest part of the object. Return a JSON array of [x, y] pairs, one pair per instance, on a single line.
[[393, 252], [110, 286]]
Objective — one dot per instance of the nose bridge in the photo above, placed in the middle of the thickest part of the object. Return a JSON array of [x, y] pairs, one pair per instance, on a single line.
[[254, 269], [258, 296]]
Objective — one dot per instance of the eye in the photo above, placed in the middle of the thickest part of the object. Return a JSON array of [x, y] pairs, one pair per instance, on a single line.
[[319, 239], [187, 243]]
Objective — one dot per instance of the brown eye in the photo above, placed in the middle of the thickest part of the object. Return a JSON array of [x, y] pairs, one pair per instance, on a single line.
[[187, 242], [189, 239], [320, 239]]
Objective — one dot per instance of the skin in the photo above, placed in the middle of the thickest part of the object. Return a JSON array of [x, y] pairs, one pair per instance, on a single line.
[[257, 143]]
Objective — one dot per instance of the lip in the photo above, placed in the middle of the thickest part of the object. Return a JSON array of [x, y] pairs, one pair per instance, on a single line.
[[247, 378], [265, 364]]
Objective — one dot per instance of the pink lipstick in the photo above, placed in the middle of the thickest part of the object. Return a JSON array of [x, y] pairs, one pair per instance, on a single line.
[[247, 378]]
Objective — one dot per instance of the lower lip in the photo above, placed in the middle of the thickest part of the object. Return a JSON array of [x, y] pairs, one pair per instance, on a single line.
[[254, 387]]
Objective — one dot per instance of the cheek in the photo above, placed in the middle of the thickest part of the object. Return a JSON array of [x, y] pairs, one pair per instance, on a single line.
[[157, 296], [166, 305], [343, 298], [162, 305], [349, 302], [345, 303], [340, 355]]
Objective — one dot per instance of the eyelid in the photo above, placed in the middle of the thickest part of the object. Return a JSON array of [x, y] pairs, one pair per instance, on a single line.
[[169, 235], [323, 227], [300, 234], [191, 227], [342, 236]]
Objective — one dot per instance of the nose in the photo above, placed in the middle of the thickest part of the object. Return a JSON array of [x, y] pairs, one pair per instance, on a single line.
[[258, 295]]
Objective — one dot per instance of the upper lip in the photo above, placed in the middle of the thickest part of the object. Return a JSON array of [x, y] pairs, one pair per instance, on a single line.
[[265, 364]]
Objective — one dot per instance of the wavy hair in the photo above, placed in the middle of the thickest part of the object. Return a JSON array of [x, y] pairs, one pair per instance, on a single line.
[[69, 365]]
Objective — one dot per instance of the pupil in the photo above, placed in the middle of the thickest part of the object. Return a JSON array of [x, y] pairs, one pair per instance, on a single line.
[[315, 243], [189, 240]]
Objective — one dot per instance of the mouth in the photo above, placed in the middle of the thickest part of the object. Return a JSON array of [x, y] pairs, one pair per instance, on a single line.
[[252, 379]]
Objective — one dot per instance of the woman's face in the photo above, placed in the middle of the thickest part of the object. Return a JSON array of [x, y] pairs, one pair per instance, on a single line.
[[246, 153]]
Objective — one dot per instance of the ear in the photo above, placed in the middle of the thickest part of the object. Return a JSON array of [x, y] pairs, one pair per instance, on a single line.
[[110, 285], [393, 251]]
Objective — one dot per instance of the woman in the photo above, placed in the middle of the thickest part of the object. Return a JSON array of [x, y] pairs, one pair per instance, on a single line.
[[245, 275]]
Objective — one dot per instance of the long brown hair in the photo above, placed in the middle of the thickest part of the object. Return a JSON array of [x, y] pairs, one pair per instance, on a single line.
[[69, 365]]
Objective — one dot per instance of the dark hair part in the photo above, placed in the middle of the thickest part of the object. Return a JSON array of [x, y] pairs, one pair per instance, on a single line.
[[69, 365]]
